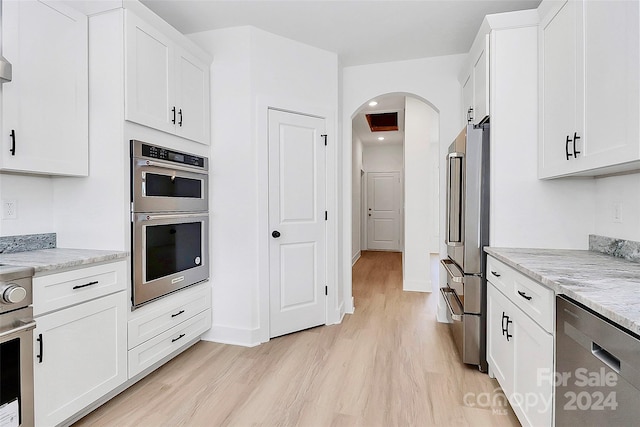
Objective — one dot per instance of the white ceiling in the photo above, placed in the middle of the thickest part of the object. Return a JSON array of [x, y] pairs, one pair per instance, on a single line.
[[359, 31]]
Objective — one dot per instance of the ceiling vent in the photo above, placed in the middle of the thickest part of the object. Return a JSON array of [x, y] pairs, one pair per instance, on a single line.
[[383, 122]]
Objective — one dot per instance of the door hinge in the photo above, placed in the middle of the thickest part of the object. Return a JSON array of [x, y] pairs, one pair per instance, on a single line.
[[325, 215], [325, 139], [326, 290]]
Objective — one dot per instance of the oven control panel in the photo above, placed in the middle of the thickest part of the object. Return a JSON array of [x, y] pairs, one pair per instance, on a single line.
[[154, 152]]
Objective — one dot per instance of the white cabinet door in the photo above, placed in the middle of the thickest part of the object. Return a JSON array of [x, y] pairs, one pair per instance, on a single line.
[[192, 97], [611, 83], [80, 355], [149, 76], [533, 371], [45, 106], [500, 351], [590, 88], [481, 83], [559, 91]]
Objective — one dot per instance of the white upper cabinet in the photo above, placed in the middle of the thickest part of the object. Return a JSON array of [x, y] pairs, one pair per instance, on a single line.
[[475, 82], [166, 86], [589, 88], [45, 106]]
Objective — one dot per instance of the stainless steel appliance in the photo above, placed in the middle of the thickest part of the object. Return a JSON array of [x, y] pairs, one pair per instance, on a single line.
[[16, 346], [170, 220], [597, 379], [467, 232]]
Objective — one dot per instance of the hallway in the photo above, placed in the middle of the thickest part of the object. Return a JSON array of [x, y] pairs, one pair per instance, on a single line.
[[388, 364]]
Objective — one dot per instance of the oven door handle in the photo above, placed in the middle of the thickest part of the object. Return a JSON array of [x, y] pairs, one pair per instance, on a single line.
[[452, 270], [171, 166], [26, 327], [172, 216]]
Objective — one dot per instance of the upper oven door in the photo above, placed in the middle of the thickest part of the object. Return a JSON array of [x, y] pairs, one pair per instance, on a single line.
[[164, 187]]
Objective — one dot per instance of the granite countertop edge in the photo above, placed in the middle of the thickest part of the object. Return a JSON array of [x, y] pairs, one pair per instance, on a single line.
[[595, 292], [52, 260]]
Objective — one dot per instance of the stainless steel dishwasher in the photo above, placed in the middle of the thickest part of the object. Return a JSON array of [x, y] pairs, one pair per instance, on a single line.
[[597, 380]]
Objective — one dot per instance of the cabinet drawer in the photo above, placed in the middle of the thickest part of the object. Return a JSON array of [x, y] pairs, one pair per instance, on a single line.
[[152, 351], [499, 274], [167, 313], [534, 299], [59, 290]]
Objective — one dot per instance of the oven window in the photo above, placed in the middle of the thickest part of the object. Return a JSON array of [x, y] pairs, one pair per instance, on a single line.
[[168, 186], [10, 371], [172, 248]]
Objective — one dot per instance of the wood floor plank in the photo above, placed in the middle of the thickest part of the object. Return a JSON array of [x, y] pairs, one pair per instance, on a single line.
[[388, 364]]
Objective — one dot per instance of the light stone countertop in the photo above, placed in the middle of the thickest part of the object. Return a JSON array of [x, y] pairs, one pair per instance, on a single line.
[[50, 260], [608, 285]]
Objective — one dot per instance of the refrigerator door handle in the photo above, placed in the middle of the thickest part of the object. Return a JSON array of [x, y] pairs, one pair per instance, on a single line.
[[453, 304], [453, 270], [455, 199]]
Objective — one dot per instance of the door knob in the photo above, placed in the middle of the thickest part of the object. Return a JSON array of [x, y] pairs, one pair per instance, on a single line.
[[275, 234]]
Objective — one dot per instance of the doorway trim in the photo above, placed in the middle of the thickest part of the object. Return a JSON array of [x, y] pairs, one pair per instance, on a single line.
[[335, 308]]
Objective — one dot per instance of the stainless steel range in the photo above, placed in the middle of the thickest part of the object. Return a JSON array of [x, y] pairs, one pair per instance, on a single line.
[[16, 346], [467, 233]]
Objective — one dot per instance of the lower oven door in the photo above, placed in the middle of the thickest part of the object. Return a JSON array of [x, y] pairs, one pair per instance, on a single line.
[[16, 371], [170, 252]]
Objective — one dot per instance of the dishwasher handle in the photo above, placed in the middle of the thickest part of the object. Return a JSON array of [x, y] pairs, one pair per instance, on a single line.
[[607, 358]]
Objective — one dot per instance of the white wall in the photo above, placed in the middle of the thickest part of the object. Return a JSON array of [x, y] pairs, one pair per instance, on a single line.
[[419, 210], [624, 190], [34, 197], [253, 70], [382, 158], [433, 79], [525, 211], [356, 198]]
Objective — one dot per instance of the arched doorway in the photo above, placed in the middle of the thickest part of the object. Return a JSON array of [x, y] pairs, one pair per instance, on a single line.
[[409, 148]]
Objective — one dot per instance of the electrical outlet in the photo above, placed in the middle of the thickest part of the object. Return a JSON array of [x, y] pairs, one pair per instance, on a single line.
[[617, 212], [9, 209]]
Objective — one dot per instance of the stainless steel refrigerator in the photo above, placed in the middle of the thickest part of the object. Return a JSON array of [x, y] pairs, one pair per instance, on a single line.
[[467, 232]]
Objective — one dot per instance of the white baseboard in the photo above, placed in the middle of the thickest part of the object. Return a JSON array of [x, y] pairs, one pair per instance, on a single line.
[[350, 307], [417, 285], [355, 258], [235, 336]]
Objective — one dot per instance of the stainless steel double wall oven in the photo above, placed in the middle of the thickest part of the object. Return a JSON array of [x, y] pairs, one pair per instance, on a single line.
[[170, 220], [467, 232]]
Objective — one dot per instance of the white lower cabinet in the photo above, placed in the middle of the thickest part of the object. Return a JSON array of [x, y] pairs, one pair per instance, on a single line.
[[80, 355], [520, 350], [159, 329]]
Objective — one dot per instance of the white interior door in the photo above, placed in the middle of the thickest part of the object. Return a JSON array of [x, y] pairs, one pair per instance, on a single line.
[[297, 249], [383, 211]]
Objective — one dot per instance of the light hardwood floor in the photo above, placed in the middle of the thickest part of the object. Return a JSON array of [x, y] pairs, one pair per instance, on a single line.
[[388, 364]]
